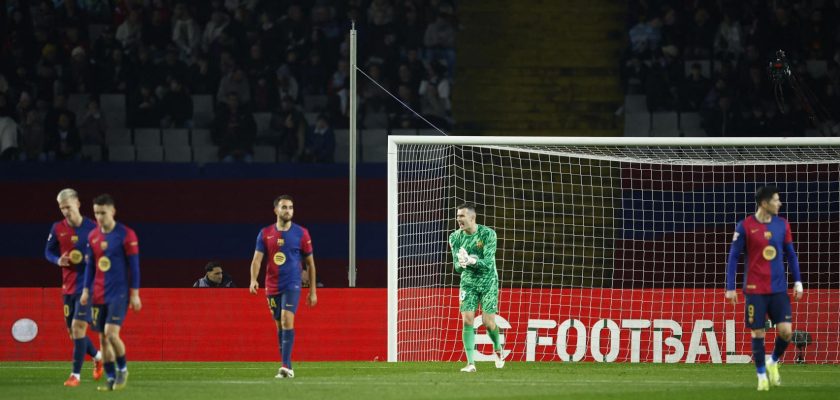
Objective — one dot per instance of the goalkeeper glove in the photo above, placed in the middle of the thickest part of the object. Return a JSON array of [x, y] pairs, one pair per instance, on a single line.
[[464, 259], [797, 287]]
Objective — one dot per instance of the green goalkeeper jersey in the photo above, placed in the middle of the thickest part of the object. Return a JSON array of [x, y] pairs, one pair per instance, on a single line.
[[481, 245]]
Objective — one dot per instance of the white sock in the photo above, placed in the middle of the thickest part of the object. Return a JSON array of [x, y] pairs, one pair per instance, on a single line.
[[762, 375], [98, 356], [77, 376], [770, 361], [124, 369]]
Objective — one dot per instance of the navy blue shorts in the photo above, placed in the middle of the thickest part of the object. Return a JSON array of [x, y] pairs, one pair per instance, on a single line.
[[287, 299], [759, 306], [110, 313], [74, 310]]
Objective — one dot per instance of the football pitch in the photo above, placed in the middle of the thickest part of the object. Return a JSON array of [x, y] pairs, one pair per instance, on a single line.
[[379, 380]]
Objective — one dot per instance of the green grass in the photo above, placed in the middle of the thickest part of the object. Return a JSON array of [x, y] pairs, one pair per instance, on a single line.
[[378, 380]]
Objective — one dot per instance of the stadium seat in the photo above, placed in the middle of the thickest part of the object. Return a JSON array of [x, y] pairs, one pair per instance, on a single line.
[[635, 103], [147, 137], [690, 122], [177, 153], [150, 153], [263, 121], [315, 102], [205, 154], [118, 136], [77, 103], [201, 137], [636, 124], [374, 145], [265, 154], [664, 124], [121, 153], [311, 117], [342, 145], [92, 152], [202, 110], [113, 109], [175, 137]]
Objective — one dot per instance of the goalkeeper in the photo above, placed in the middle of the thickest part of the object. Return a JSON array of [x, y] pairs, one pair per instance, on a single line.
[[473, 249]]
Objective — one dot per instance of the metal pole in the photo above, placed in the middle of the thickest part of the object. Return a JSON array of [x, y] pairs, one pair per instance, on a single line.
[[351, 258]]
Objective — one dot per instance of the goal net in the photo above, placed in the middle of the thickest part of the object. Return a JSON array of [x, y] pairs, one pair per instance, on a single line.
[[608, 250]]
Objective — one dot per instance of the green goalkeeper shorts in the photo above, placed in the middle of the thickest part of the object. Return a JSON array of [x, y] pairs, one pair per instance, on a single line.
[[488, 297]]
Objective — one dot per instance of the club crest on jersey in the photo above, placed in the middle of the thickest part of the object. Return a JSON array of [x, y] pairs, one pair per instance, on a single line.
[[768, 235], [769, 253], [479, 244], [279, 258], [76, 256], [103, 245], [281, 242], [74, 239], [104, 264]]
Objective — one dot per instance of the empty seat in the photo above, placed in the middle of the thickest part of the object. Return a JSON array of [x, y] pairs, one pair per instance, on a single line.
[[121, 153], [690, 121], [202, 110], [175, 137], [147, 137], [118, 136], [113, 109], [635, 103], [92, 152], [177, 154], [311, 117], [374, 145], [201, 137], [265, 154], [263, 121], [150, 153], [636, 124], [205, 154], [77, 103], [664, 124], [315, 102]]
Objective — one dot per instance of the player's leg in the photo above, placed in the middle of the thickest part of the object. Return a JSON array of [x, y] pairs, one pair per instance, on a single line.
[[276, 311], [469, 303], [78, 344], [116, 316], [100, 315], [290, 299], [755, 312], [781, 315], [82, 318], [489, 306]]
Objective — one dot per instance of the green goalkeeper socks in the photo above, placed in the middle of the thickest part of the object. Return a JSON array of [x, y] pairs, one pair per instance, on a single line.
[[469, 342], [494, 336]]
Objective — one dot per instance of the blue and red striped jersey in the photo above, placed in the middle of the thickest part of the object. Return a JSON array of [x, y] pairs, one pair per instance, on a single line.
[[67, 239], [767, 245], [284, 252], [110, 260]]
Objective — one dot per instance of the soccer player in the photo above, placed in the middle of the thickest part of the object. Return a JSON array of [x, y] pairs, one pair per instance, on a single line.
[[65, 248], [473, 248], [768, 241], [112, 282], [287, 244]]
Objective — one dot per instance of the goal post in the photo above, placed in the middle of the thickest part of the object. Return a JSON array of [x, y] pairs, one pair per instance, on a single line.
[[609, 249]]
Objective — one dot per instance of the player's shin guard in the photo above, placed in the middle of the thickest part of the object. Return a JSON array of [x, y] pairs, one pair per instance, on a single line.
[[90, 348], [287, 343], [779, 348], [758, 355], [494, 337], [469, 342], [78, 355]]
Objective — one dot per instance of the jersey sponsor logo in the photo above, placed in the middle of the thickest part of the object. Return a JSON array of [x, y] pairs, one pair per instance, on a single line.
[[76, 256], [104, 264], [735, 236], [74, 239], [103, 245], [768, 235], [769, 253], [279, 258]]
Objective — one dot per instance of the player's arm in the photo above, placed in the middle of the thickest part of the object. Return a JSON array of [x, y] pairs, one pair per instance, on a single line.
[[256, 262], [132, 254], [484, 260], [739, 239], [52, 250], [89, 274], [312, 300], [793, 263]]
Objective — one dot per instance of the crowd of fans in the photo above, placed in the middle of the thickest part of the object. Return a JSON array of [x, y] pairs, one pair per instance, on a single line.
[[711, 57], [252, 56]]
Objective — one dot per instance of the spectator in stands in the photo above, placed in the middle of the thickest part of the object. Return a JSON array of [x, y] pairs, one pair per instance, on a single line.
[[130, 32], [399, 116], [203, 76], [439, 38], [32, 138], [434, 97], [213, 30], [235, 82], [59, 107], [112, 76], [722, 119], [293, 136], [80, 76], [157, 35], [646, 36], [700, 37], [695, 88], [320, 142], [728, 43], [93, 127], [214, 277], [186, 34], [287, 85], [8, 131], [176, 106], [234, 131], [63, 141]]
